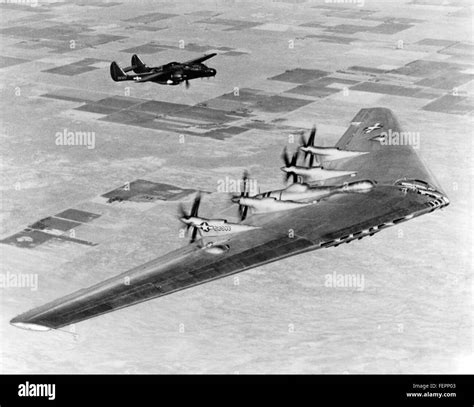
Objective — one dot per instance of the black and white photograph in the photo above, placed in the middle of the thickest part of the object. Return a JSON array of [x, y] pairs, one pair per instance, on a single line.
[[236, 187]]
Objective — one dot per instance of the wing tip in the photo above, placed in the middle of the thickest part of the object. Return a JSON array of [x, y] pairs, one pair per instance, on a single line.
[[19, 323]]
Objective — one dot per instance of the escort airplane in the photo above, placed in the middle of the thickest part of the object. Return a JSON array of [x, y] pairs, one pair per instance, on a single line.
[[396, 186], [172, 73]]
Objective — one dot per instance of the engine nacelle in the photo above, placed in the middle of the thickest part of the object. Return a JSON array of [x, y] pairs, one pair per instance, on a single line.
[[358, 186]]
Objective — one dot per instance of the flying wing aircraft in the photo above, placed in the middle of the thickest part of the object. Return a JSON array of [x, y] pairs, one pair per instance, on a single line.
[[391, 185], [172, 73]]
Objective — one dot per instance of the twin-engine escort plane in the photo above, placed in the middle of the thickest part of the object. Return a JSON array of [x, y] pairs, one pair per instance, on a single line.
[[173, 73], [388, 184]]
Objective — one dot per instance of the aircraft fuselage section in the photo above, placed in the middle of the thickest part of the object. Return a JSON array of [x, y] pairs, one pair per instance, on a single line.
[[180, 73]]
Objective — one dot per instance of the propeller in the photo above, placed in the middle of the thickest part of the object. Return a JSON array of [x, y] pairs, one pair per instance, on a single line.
[[183, 215], [312, 136], [312, 159], [290, 162], [244, 193], [310, 143], [286, 159]]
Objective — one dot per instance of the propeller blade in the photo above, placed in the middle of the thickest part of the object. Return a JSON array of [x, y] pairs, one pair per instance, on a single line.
[[193, 236], [303, 142], [186, 84], [241, 211], [245, 179], [244, 193], [295, 178], [195, 208], [183, 215], [312, 136], [286, 159], [294, 159], [244, 213], [181, 211], [311, 160]]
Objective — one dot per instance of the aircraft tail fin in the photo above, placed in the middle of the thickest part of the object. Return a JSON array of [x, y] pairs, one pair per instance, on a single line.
[[138, 66], [117, 73]]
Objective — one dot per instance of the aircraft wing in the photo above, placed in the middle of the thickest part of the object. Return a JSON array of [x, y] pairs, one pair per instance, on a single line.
[[200, 59], [334, 220]]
